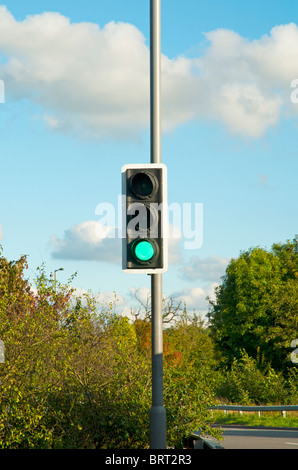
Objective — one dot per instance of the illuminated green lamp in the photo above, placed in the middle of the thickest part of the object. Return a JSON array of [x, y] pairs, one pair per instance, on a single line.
[[143, 250]]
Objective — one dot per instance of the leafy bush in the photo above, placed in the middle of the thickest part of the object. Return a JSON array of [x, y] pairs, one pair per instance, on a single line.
[[244, 383], [77, 375]]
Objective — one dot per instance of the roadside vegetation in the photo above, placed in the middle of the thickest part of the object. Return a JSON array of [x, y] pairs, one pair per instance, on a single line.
[[267, 419], [77, 374]]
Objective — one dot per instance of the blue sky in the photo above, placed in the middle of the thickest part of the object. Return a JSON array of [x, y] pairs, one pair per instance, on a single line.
[[76, 79]]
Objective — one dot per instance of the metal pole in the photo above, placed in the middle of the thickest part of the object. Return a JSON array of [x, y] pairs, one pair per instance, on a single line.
[[157, 411], [55, 277], [155, 81]]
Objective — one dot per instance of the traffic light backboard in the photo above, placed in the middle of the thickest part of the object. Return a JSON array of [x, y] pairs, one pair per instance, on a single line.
[[144, 188]]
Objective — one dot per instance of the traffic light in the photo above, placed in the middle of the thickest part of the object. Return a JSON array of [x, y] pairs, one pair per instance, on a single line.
[[144, 188]]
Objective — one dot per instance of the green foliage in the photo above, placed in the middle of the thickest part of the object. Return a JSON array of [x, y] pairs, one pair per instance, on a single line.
[[78, 375], [245, 384], [268, 419], [256, 305], [188, 379]]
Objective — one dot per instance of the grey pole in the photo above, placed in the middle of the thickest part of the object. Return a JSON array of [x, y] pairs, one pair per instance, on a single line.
[[55, 277], [155, 80], [157, 411]]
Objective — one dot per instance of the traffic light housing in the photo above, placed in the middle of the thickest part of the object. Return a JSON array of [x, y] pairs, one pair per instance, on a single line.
[[144, 188]]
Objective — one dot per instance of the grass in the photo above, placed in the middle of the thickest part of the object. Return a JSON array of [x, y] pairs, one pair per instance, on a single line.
[[268, 418]]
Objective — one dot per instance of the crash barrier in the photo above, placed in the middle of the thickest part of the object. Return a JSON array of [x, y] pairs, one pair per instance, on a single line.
[[282, 408], [197, 441]]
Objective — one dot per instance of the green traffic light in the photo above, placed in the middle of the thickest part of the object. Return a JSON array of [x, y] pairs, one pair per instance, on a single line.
[[143, 250]]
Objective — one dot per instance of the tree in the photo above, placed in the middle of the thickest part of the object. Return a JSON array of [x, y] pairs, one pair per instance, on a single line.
[[78, 375], [30, 331], [188, 378], [256, 305]]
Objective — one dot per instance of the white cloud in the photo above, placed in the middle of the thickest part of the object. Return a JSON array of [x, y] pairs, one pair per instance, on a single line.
[[95, 81], [246, 110], [90, 80], [207, 269], [141, 294], [275, 56], [103, 298], [194, 298], [174, 245], [191, 296], [51, 121], [1, 233], [87, 241], [137, 299], [92, 240], [126, 306]]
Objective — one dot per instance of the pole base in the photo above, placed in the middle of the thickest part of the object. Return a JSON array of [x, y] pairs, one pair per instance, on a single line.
[[158, 427]]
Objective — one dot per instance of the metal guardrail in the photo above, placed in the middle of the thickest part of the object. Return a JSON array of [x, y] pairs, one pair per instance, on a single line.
[[197, 441], [256, 408], [200, 442]]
